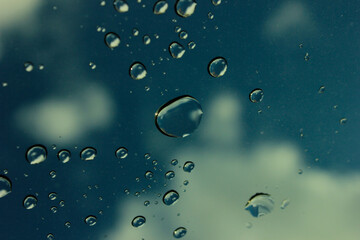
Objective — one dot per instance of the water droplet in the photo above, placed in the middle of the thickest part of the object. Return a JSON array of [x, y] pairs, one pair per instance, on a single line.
[[41, 67], [170, 175], [121, 153], [5, 186], [301, 45], [52, 174], [256, 95], [146, 203], [121, 6], [217, 67], [30, 202], [188, 166], [112, 40], [147, 156], [135, 32], [284, 203], [102, 3], [216, 2], [191, 45], [186, 182], [300, 171], [67, 224], [210, 15], [174, 162], [29, 66], [90, 220], [321, 89], [176, 50], [64, 155], [260, 204], [149, 175], [146, 39], [62, 203], [343, 121], [88, 154], [4, 84], [36, 154], [248, 225], [179, 232], [170, 197], [177, 29], [92, 65], [185, 8], [183, 35], [53, 209], [137, 71], [306, 57], [160, 7], [138, 221], [52, 196], [179, 117]]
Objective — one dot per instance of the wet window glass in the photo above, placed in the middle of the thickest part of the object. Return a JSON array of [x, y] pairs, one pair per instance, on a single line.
[[165, 119]]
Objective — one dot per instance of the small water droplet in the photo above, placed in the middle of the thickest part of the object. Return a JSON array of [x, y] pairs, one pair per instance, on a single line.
[[210, 15], [179, 117], [138, 221], [29, 66], [103, 3], [306, 57], [92, 65], [160, 7], [186, 182], [191, 45], [174, 162], [146, 39], [112, 40], [121, 153], [300, 171], [64, 155], [248, 225], [50, 236], [147, 156], [217, 67], [88, 153], [5, 186], [284, 203], [260, 204], [179, 232], [149, 175], [216, 2], [256, 95], [188, 166], [67, 224], [52, 174], [170, 175], [183, 35], [170, 197], [52, 196], [135, 32], [146, 203], [185, 8], [137, 71], [321, 89], [301, 45], [36, 154], [53, 209], [41, 67], [90, 220], [30, 202], [62, 203], [177, 29], [121, 6], [343, 121], [176, 50]]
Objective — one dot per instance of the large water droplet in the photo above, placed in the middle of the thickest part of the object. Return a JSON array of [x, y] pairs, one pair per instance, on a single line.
[[179, 232], [64, 155], [260, 204], [170, 197], [36, 154], [256, 95], [121, 153], [137, 71], [170, 175], [121, 6], [217, 67], [30, 202], [179, 117], [185, 8], [88, 154], [138, 221], [188, 166], [90, 220], [112, 40], [160, 7], [176, 50], [5, 186]]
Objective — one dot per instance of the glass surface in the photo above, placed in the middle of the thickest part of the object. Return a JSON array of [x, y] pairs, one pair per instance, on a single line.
[[82, 155]]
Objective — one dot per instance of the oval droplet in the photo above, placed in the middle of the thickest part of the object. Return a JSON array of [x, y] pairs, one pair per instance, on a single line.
[[52, 174], [52, 196], [179, 117], [170, 197], [30, 202], [179, 232], [121, 6], [135, 32], [170, 175], [260, 204], [36, 154], [176, 50], [217, 67], [64, 155], [256, 95], [146, 203], [191, 45], [183, 35], [160, 7], [112, 40], [149, 175], [121, 153], [90, 220], [138, 221], [5, 186], [174, 162], [185, 8], [137, 71], [146, 39], [88, 153], [29, 66]]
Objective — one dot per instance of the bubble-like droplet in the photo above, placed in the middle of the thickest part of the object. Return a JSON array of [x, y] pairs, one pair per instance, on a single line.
[[185, 8], [210, 15], [149, 175], [170, 197], [256, 95], [36, 154], [260, 204], [179, 117], [343, 121], [216, 2], [188, 166], [321, 89], [146, 203], [112, 40], [53, 209], [5, 186], [285, 203], [135, 32], [179, 232], [191, 45], [177, 29], [64, 155], [30, 202], [67, 224], [186, 182], [217, 67], [170, 175], [90, 220], [138, 221], [88, 153], [183, 35], [174, 162], [147, 156], [146, 39], [62, 203], [300, 171], [52, 196], [160, 7], [50, 236], [52, 174], [121, 153], [176, 50], [29, 66], [137, 71], [121, 6]]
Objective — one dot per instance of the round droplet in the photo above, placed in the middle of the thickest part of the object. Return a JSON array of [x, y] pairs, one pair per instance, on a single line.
[[179, 232], [52, 174], [343, 121], [170, 197], [300, 171], [170, 175], [137, 71], [36, 154], [256, 95], [176, 50], [90, 220], [30, 202], [112, 40], [5, 186], [186, 182], [121, 6], [62, 203], [50, 236], [147, 156], [191, 45], [92, 65], [188, 166], [135, 32], [41, 66], [160, 7], [146, 203], [52, 196], [174, 162], [183, 35], [179, 117], [53, 209], [210, 15], [121, 153], [177, 29], [67, 224], [321, 89], [285, 203], [185, 8], [149, 175], [216, 2], [260, 204], [217, 67], [146, 39], [64, 155], [29, 66], [138, 221], [88, 154]]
